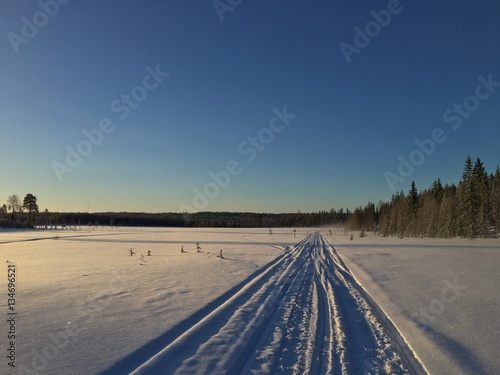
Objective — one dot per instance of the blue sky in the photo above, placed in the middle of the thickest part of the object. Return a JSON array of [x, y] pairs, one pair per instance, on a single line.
[[230, 70]]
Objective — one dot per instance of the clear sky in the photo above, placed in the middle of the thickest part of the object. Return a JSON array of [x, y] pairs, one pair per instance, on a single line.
[[305, 105]]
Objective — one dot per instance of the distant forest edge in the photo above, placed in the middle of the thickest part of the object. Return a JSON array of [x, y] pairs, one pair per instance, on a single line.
[[200, 219], [471, 209]]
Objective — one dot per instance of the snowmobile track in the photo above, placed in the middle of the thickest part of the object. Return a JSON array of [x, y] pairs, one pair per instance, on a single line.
[[303, 314]]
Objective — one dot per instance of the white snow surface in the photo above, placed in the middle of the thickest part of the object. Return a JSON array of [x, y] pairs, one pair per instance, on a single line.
[[87, 282], [274, 304], [442, 294]]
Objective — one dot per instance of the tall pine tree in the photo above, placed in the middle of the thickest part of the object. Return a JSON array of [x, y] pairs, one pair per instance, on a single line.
[[29, 204]]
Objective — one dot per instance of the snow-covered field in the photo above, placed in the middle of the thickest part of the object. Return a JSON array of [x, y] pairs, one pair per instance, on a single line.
[[275, 304], [443, 295]]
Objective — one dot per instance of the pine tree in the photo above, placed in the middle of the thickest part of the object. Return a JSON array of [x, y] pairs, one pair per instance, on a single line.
[[29, 203]]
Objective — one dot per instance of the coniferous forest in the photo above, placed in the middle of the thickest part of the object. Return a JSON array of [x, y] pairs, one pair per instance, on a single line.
[[470, 209]]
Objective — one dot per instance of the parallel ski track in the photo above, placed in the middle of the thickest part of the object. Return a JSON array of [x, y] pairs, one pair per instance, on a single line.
[[305, 314]]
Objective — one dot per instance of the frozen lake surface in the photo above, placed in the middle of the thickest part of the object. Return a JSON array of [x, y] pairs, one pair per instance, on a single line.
[[277, 303]]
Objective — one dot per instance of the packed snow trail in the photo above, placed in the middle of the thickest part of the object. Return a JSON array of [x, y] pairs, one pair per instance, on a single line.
[[305, 314]]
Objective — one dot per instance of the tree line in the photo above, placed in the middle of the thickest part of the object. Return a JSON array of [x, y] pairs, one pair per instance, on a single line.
[[14, 214], [195, 220], [470, 209], [26, 215]]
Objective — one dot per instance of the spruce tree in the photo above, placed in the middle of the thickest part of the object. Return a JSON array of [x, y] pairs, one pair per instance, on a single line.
[[447, 214], [495, 201], [467, 172], [481, 198], [466, 203], [413, 200], [437, 191]]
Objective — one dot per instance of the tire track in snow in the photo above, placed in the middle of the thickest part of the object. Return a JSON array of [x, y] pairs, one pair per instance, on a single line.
[[222, 340], [303, 315]]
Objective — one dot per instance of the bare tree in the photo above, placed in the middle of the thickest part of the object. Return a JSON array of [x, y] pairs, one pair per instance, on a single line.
[[14, 203]]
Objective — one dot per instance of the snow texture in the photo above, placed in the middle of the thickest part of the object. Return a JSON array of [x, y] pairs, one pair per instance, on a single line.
[[275, 304]]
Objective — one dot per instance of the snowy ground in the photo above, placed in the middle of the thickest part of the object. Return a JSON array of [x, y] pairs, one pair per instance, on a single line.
[[443, 295], [275, 304], [84, 303]]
